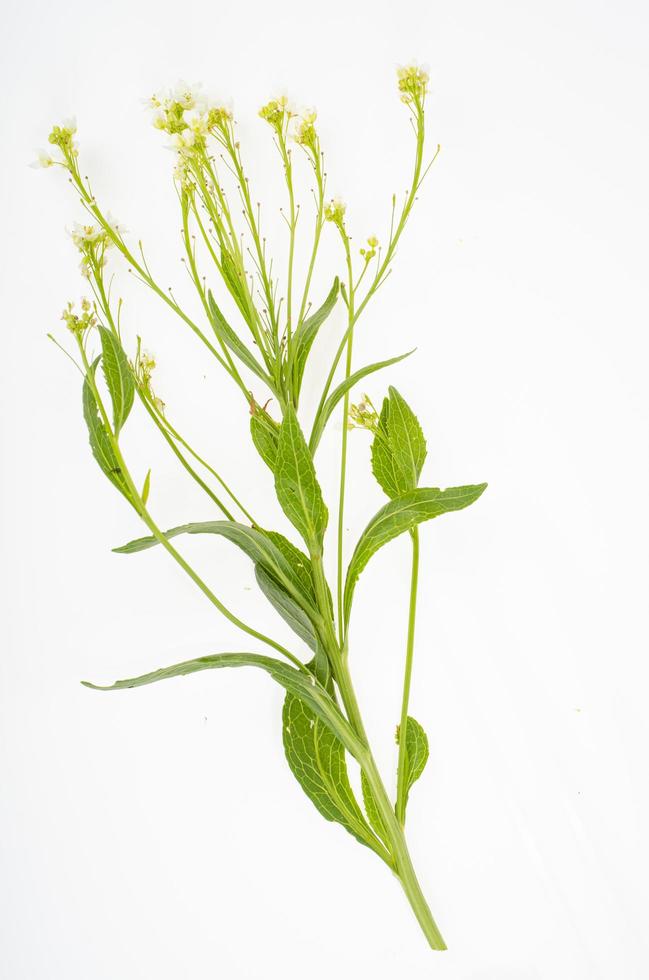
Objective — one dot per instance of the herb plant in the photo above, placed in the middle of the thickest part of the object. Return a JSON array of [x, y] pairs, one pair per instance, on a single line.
[[264, 354]]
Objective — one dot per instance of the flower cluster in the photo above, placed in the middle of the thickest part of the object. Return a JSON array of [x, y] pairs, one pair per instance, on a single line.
[[92, 242], [143, 369], [78, 323], [305, 133], [413, 84], [335, 212], [184, 114], [363, 416], [369, 253], [276, 113], [63, 137]]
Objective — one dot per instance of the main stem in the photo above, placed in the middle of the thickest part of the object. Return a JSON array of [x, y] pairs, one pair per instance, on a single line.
[[396, 840], [402, 787], [394, 835]]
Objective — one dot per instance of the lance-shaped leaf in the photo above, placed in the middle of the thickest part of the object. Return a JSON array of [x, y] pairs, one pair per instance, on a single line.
[[119, 379], [257, 544], [100, 443], [287, 608], [399, 515], [296, 484], [371, 809], [265, 433], [324, 412], [398, 448], [227, 336], [416, 753], [235, 283], [299, 683], [316, 757], [307, 332]]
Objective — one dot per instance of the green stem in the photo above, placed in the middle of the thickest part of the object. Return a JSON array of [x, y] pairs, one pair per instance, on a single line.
[[343, 446], [402, 788], [401, 861]]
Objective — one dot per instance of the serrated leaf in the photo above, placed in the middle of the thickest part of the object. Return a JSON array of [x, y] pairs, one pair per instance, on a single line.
[[307, 331], [399, 515], [416, 753], [317, 760], [259, 545], [371, 809], [299, 683], [119, 379], [323, 415], [100, 442], [265, 433], [398, 448], [296, 484], [228, 336]]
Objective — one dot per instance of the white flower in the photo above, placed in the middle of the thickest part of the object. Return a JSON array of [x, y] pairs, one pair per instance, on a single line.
[[183, 141], [83, 234], [70, 125], [188, 96], [43, 160]]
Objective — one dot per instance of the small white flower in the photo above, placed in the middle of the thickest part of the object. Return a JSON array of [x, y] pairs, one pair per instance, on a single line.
[[82, 234], [70, 124], [184, 141], [43, 160]]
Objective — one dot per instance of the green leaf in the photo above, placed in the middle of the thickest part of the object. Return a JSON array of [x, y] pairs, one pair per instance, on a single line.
[[100, 443], [398, 448], [259, 545], [265, 433], [146, 488], [317, 760], [235, 284], [416, 753], [308, 330], [299, 683], [287, 608], [119, 379], [371, 809], [323, 415], [296, 485], [399, 515], [227, 336]]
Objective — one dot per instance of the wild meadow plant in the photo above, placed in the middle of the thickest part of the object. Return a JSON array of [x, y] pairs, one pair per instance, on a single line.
[[264, 353]]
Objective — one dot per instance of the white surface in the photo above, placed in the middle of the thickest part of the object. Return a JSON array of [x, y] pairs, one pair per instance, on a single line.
[[158, 834]]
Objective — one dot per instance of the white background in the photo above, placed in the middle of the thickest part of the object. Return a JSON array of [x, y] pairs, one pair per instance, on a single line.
[[158, 834]]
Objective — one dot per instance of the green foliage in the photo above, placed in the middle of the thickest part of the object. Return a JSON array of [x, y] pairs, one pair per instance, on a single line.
[[296, 484], [307, 332], [259, 545], [317, 760], [399, 515], [265, 434], [398, 448], [230, 339], [302, 685], [372, 810], [119, 378], [416, 753], [100, 443], [325, 411]]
